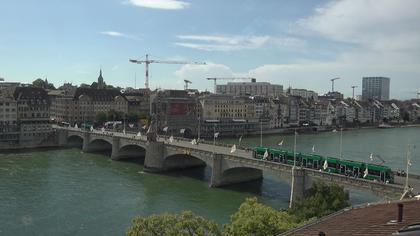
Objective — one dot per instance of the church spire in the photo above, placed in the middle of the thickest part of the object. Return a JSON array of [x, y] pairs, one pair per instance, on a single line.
[[101, 83]]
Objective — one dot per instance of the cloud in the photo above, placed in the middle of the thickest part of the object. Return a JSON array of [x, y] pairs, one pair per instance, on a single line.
[[198, 74], [221, 43], [390, 25], [160, 4], [119, 35]]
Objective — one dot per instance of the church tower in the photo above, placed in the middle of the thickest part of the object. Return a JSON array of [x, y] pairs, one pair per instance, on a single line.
[[101, 83]]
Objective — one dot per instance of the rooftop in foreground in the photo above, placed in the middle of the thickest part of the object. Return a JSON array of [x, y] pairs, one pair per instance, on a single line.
[[370, 219]]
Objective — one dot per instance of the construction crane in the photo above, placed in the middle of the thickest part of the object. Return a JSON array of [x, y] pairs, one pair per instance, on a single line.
[[147, 62], [229, 78], [332, 83], [186, 84], [353, 87]]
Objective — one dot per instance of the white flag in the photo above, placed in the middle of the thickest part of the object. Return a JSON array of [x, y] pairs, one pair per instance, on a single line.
[[103, 129], [240, 139], [365, 174], [171, 139], [233, 149], [325, 166], [165, 129], [371, 157], [409, 162], [334, 131], [139, 134], [182, 131], [265, 154], [281, 143], [313, 148], [216, 135], [91, 129]]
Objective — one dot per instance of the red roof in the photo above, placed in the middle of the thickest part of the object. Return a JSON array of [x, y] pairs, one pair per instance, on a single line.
[[373, 219]]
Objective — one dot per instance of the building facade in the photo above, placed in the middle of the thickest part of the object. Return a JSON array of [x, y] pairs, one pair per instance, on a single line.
[[175, 109], [303, 93], [33, 115], [250, 89], [375, 88], [9, 132]]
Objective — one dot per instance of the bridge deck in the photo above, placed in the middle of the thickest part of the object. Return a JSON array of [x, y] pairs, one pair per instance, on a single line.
[[246, 156]]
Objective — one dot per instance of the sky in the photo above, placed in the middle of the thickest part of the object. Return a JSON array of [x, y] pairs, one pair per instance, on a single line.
[[297, 43]]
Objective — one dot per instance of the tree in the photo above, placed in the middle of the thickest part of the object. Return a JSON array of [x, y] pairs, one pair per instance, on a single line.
[[256, 219], [184, 224], [320, 200], [100, 118], [39, 83], [94, 85]]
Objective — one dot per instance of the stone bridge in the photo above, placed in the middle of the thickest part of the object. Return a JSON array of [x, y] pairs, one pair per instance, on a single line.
[[226, 168]]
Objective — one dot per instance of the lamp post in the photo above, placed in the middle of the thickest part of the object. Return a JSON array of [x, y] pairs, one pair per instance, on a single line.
[[293, 173], [407, 165], [341, 143], [214, 139], [260, 132]]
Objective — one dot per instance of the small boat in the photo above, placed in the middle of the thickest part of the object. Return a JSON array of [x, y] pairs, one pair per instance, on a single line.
[[385, 126]]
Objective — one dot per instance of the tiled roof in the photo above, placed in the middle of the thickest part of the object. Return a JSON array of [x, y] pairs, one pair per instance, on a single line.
[[365, 220]]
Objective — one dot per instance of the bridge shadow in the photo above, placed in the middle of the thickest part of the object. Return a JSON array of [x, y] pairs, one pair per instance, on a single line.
[[75, 142], [202, 173]]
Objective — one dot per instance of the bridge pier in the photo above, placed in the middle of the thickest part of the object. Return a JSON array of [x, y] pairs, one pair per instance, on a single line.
[[222, 175], [153, 162], [115, 148], [62, 137], [85, 147], [303, 182]]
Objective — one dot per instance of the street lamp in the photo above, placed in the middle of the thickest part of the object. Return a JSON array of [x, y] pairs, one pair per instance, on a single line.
[[293, 173]]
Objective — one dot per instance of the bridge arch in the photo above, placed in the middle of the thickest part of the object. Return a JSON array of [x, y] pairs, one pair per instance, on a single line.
[[98, 145], [130, 151], [239, 175], [182, 161], [75, 141]]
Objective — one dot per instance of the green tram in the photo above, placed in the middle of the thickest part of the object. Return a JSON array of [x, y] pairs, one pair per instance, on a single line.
[[349, 168]]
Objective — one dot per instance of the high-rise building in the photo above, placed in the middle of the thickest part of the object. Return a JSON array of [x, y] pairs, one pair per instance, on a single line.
[[375, 88]]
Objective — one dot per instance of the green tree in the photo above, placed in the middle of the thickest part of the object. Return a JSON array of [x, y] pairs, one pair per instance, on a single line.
[[100, 118], [320, 200], [256, 219], [39, 83], [184, 224]]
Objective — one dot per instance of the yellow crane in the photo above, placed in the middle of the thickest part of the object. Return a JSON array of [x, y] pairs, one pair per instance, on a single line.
[[229, 78], [147, 62]]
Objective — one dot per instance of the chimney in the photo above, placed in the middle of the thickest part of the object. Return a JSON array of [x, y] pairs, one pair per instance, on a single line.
[[400, 212]]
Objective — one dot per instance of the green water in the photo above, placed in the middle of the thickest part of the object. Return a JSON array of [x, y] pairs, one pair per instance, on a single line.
[[67, 192]]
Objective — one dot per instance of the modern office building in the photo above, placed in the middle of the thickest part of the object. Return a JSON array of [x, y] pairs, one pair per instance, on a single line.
[[375, 88], [250, 89]]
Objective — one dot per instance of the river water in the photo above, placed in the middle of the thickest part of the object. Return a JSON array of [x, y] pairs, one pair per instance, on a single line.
[[68, 192]]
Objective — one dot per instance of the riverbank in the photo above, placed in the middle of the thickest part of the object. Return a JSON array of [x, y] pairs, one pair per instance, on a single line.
[[313, 130]]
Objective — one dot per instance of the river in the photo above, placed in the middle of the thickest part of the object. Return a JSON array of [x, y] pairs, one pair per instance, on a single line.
[[68, 192]]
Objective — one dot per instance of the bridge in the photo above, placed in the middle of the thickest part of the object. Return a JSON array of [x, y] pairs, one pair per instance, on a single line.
[[226, 168]]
